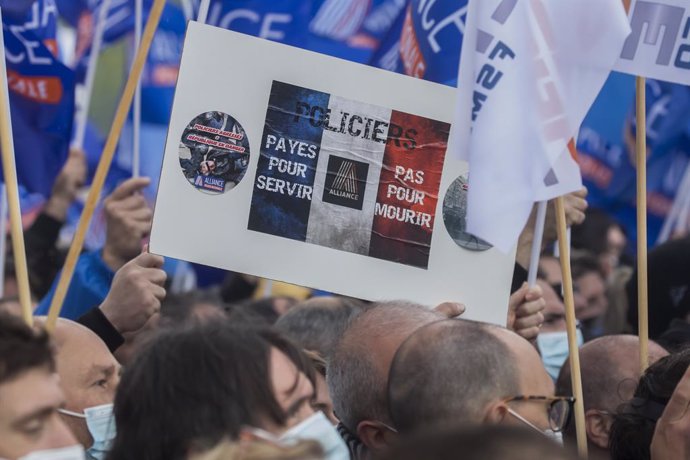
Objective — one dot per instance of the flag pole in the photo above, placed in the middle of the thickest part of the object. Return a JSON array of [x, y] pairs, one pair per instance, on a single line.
[[536, 243], [3, 239], [96, 45], [136, 115], [575, 373], [104, 165], [203, 11], [641, 165], [10, 177]]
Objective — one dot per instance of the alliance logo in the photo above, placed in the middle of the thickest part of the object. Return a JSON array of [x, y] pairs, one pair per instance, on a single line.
[[346, 182], [212, 183]]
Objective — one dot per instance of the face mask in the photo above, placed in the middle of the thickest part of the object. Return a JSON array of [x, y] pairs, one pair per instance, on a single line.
[[101, 424], [318, 428], [554, 350], [63, 453], [555, 436]]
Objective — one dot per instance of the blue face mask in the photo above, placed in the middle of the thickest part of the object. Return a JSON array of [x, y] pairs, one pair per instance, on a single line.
[[318, 428], [554, 350], [101, 424]]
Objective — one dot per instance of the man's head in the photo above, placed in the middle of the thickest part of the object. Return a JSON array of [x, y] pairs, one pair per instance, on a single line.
[[89, 374], [30, 393], [318, 323], [610, 370], [358, 369], [458, 371]]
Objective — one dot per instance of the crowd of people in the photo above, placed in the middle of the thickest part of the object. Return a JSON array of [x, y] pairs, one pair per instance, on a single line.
[[141, 366]]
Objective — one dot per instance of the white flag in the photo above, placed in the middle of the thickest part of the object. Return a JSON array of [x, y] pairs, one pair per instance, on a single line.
[[659, 45], [529, 72]]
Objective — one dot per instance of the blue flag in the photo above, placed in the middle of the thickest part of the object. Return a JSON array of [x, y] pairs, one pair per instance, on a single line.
[[285, 21], [425, 41], [353, 29], [606, 148], [41, 94], [160, 73]]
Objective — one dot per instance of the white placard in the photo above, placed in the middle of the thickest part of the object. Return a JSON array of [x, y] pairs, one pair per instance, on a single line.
[[295, 166], [659, 45]]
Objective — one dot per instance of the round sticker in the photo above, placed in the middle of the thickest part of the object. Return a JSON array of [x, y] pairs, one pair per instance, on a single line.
[[214, 152], [455, 217]]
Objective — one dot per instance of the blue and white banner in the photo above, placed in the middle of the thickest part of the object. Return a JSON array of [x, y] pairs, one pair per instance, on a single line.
[[659, 45]]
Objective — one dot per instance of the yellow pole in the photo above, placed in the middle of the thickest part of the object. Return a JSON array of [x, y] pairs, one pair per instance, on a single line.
[[104, 165], [10, 176], [575, 373], [641, 164]]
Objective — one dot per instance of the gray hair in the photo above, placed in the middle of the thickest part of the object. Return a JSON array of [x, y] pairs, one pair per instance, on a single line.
[[317, 324], [357, 386]]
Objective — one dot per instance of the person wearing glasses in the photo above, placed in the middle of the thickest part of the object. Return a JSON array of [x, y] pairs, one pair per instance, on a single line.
[[464, 372]]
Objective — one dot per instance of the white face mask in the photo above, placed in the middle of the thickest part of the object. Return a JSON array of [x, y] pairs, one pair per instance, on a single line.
[[63, 453], [101, 424], [555, 436], [318, 428]]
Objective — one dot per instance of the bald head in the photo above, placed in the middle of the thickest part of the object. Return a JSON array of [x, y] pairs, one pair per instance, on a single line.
[[358, 370], [448, 372], [610, 370], [89, 373]]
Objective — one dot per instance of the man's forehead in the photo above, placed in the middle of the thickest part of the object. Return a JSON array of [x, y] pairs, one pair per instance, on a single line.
[[31, 391]]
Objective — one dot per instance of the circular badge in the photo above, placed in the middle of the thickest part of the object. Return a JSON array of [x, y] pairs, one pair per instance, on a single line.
[[455, 217], [214, 152]]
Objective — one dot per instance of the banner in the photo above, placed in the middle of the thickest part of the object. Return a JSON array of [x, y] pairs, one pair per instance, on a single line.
[[41, 95], [425, 41], [659, 45], [528, 76], [338, 180]]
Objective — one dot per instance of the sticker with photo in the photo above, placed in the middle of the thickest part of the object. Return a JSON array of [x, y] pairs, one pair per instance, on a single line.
[[455, 217], [214, 152]]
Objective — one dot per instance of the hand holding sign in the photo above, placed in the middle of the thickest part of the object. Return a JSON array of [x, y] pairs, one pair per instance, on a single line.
[[136, 293], [128, 218], [525, 311]]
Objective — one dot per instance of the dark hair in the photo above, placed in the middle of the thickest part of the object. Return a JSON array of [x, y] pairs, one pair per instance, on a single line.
[[258, 312], [584, 262], [446, 372], [592, 234], [634, 422], [178, 308], [22, 348], [191, 387], [488, 442], [317, 324]]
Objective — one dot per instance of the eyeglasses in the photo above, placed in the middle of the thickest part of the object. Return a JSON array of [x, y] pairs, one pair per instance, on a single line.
[[560, 408]]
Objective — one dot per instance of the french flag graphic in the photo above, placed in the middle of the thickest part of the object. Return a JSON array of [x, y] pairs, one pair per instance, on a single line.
[[348, 175]]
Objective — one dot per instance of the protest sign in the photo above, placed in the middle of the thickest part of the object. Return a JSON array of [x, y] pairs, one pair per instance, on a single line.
[[659, 45], [300, 167]]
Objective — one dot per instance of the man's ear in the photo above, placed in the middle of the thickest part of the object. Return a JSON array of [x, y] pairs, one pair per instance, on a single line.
[[598, 428], [495, 413], [375, 435]]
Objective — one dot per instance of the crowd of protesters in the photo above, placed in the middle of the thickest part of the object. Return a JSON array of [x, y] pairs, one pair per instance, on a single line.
[[141, 366]]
